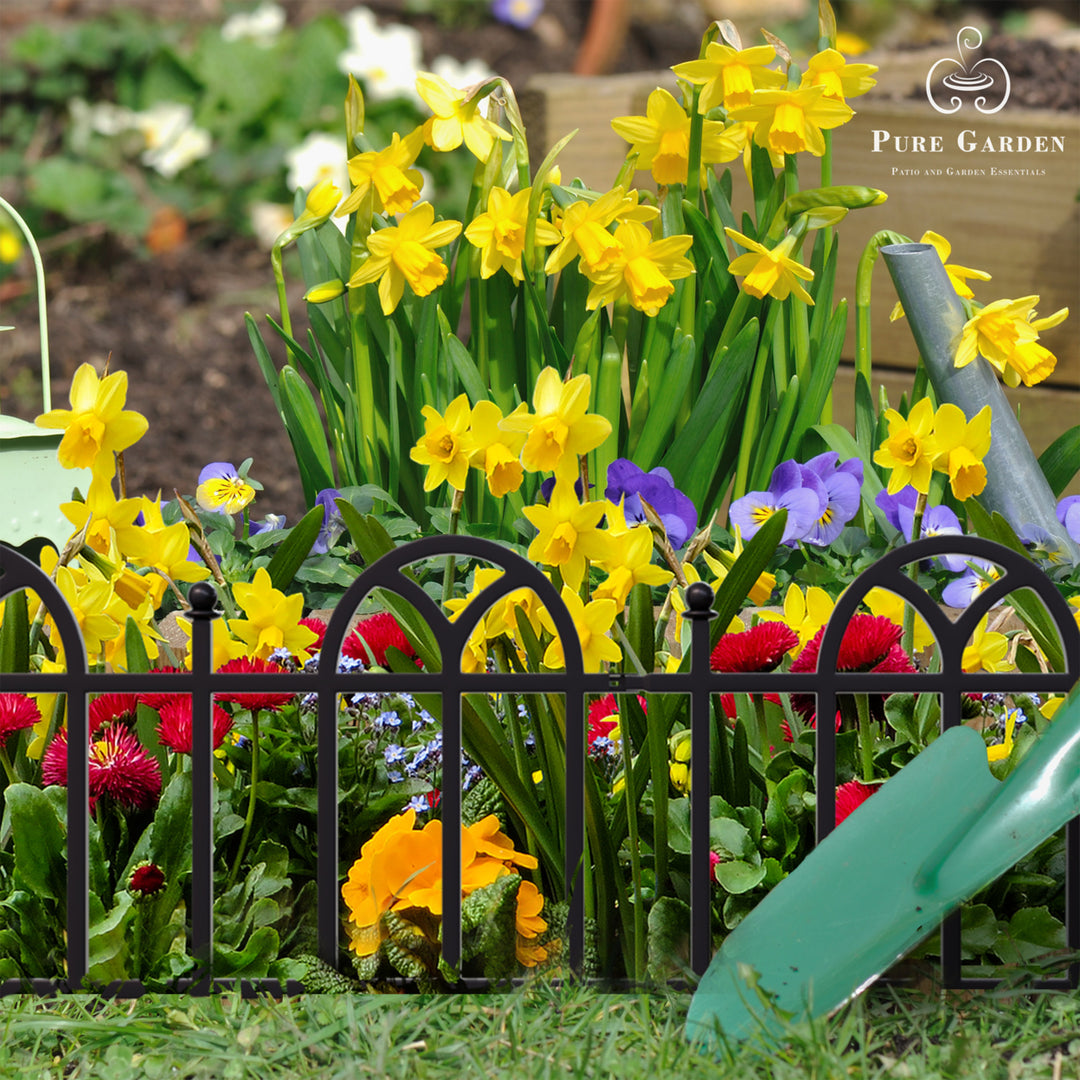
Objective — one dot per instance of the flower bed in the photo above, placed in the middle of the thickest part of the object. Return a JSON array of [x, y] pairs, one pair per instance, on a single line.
[[632, 394]]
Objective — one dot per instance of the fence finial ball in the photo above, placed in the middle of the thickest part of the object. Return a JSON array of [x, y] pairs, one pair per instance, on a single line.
[[202, 596], [699, 596]]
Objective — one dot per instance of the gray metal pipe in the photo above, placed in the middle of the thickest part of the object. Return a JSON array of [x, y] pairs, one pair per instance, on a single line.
[[1015, 485]]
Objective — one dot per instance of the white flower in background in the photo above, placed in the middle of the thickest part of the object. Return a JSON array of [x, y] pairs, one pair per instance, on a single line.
[[173, 142], [319, 157], [385, 59], [261, 25], [268, 221], [103, 118]]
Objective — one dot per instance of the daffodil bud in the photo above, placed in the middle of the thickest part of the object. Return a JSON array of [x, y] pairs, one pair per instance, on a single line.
[[843, 196], [321, 202], [324, 291]]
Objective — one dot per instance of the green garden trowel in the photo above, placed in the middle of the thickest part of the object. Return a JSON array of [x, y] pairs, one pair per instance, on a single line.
[[936, 832]]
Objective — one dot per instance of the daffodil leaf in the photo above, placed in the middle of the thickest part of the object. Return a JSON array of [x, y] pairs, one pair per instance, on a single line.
[[305, 430], [295, 548], [665, 403], [15, 634], [1059, 460], [823, 372]]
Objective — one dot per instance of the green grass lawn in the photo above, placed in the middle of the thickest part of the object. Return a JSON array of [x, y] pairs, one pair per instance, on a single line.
[[535, 1032]]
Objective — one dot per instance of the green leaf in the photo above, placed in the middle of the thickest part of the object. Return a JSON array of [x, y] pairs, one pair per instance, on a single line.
[[462, 363], [1060, 461], [305, 430], [252, 960], [669, 938], [823, 372], [15, 634], [295, 548], [108, 954], [739, 876], [134, 648], [665, 402], [38, 837], [731, 839]]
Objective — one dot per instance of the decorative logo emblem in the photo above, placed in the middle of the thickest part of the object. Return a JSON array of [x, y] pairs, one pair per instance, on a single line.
[[968, 80]]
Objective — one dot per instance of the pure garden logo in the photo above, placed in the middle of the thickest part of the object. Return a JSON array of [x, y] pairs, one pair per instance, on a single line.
[[968, 80]]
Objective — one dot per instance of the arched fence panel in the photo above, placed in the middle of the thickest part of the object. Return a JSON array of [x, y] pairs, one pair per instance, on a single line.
[[389, 577]]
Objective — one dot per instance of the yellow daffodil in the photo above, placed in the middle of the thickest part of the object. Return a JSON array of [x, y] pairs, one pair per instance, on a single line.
[[567, 532], [593, 621], [318, 206], [560, 429], [882, 602], [661, 139], [494, 451], [851, 44], [760, 591], [986, 651], [584, 230], [804, 613], [224, 647], [500, 232], [627, 559], [406, 252], [46, 704], [445, 445], [88, 599], [141, 614], [1000, 751], [907, 449], [474, 655], [958, 275], [729, 76], [840, 79], [643, 269], [105, 512], [97, 425], [273, 619], [1048, 708], [159, 546], [791, 121], [958, 446], [388, 174], [457, 118], [770, 271], [1005, 333]]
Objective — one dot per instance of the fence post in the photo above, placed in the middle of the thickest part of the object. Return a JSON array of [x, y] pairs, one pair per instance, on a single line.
[[202, 597], [699, 609]]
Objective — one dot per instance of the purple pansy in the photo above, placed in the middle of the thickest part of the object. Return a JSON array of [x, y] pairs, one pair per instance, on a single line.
[[843, 483], [548, 486], [333, 525], [961, 592], [519, 13], [803, 496], [937, 521], [907, 496], [1042, 543], [270, 523], [626, 481], [1068, 513]]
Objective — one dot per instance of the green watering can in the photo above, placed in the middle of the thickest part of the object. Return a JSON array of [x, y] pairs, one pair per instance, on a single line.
[[33, 483], [935, 833]]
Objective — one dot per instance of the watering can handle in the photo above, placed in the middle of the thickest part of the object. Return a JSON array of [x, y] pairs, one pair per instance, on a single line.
[[1034, 801], [43, 322]]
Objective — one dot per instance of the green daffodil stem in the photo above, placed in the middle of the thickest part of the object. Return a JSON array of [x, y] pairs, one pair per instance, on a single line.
[[455, 517], [6, 762], [279, 280], [693, 168], [866, 736], [250, 818], [635, 847], [762, 727], [907, 641]]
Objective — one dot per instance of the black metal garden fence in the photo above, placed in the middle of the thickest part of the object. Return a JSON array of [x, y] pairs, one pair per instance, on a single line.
[[700, 684]]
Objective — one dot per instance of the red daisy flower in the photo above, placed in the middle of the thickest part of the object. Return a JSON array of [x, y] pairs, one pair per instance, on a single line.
[[870, 643], [851, 795], [373, 636], [727, 703], [262, 700], [174, 731], [147, 879], [317, 626], [17, 711], [714, 862], [761, 648], [106, 707], [119, 768], [603, 717], [158, 701]]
